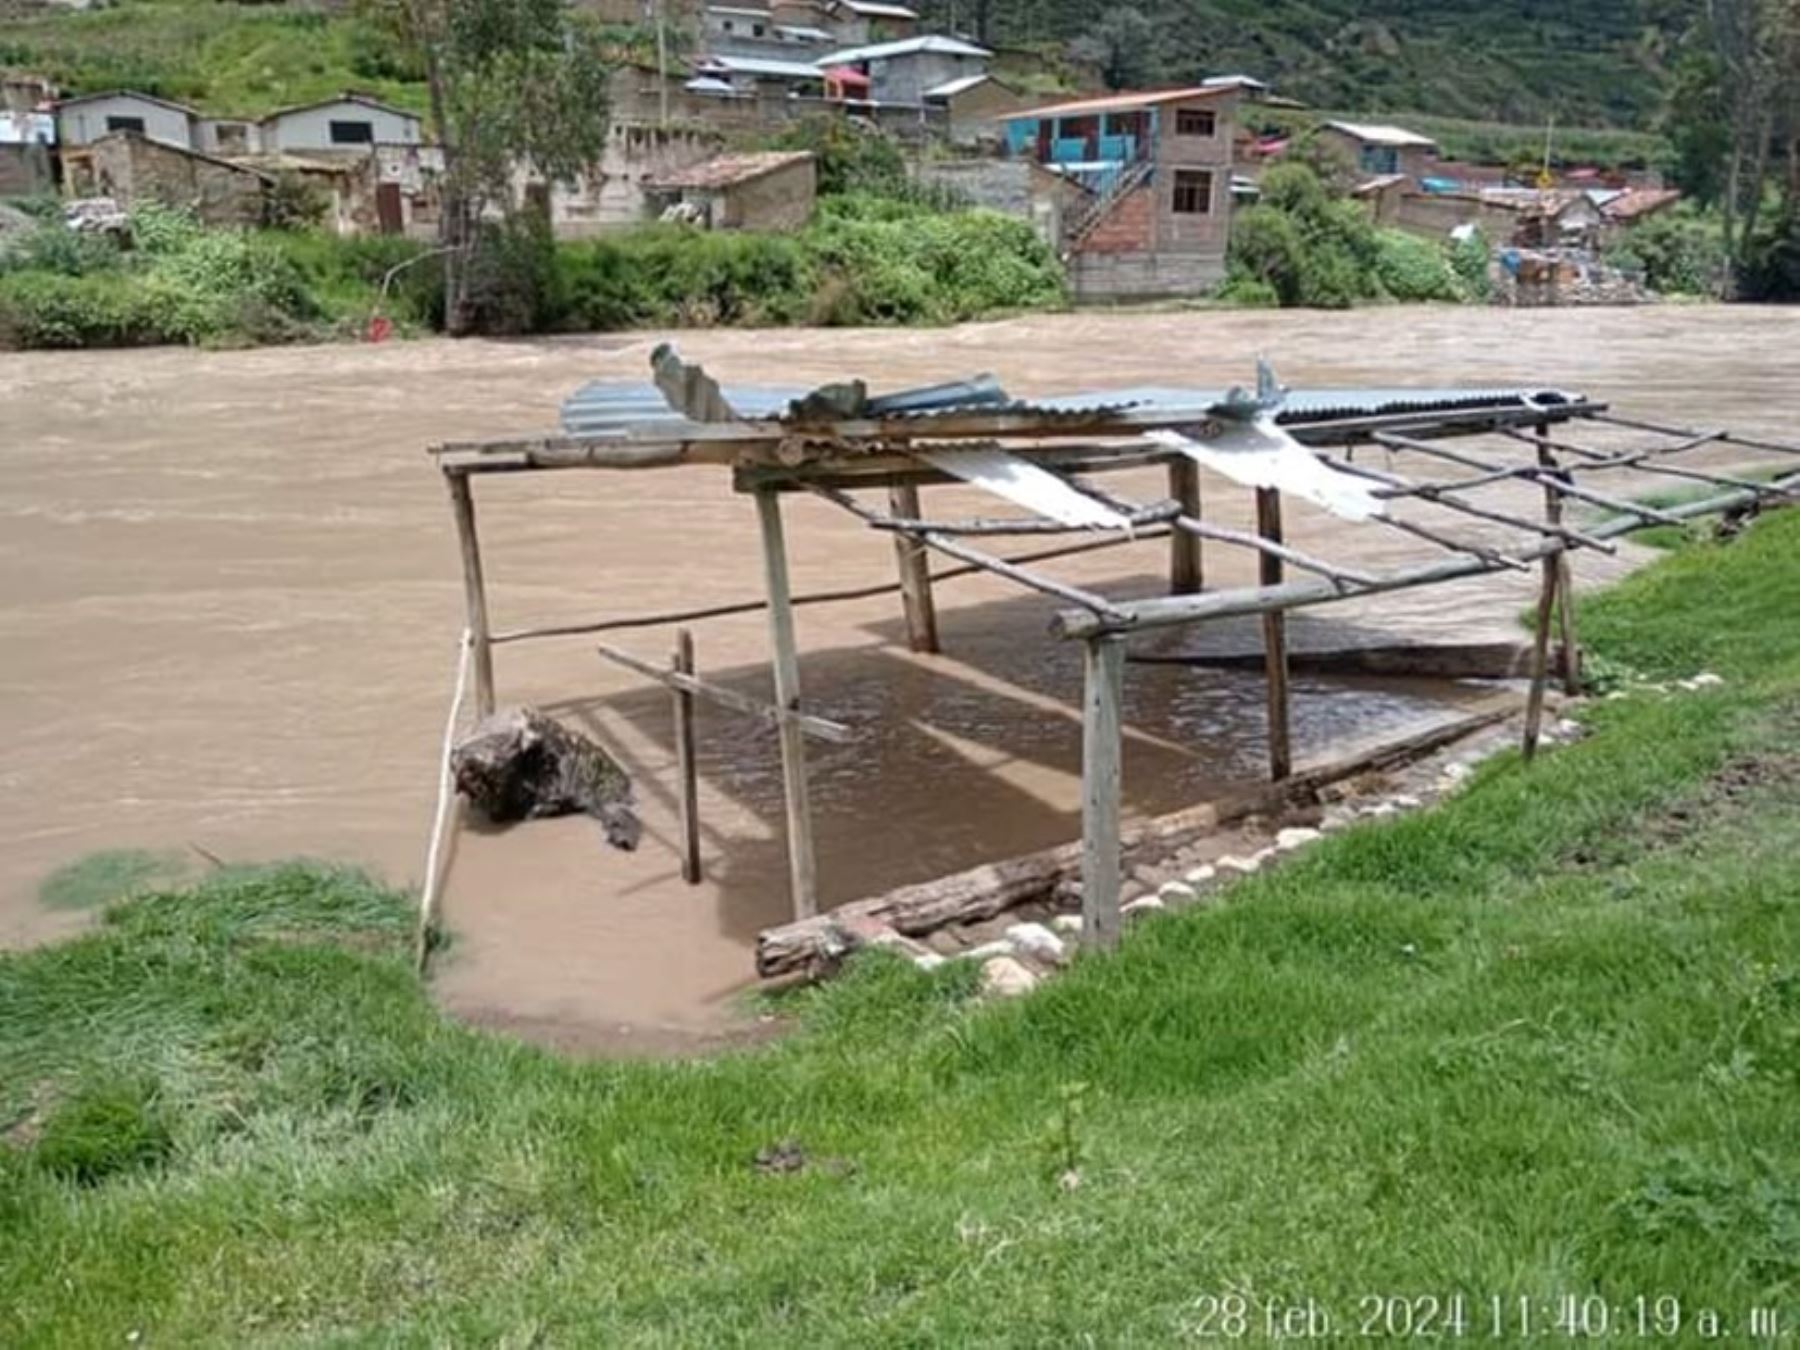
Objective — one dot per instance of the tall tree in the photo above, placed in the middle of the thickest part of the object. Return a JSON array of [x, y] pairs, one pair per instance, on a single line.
[[1757, 46], [518, 93], [1121, 46]]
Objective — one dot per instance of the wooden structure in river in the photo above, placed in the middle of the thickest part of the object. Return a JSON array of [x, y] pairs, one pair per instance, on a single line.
[[1046, 457]]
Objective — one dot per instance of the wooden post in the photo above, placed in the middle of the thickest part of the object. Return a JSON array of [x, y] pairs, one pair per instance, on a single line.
[[1565, 582], [1540, 654], [801, 876], [1274, 624], [462, 504], [915, 573], [1186, 572], [1103, 667], [685, 769]]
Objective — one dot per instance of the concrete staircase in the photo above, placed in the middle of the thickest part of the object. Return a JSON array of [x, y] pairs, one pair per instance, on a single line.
[[1121, 189]]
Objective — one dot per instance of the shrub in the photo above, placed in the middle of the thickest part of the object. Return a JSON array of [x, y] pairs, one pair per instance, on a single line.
[[1679, 252], [1415, 269]]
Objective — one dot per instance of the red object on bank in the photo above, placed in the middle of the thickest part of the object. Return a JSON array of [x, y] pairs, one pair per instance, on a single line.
[[381, 328]]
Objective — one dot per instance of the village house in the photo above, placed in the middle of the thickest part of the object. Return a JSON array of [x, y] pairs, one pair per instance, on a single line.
[[771, 190], [1155, 169], [91, 116], [350, 121], [130, 167], [901, 72], [971, 106], [1374, 148]]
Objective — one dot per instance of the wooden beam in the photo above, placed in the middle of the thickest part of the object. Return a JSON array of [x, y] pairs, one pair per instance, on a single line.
[[915, 573], [1274, 625], [1565, 578], [822, 728], [1540, 656], [1174, 610], [1186, 569], [802, 874], [686, 769], [1103, 666], [462, 506]]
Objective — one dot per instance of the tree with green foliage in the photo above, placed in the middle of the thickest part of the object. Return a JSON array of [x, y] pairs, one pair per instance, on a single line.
[[517, 90], [1121, 46]]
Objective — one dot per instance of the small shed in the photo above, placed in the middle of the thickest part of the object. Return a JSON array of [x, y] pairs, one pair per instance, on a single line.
[[26, 142], [767, 190], [972, 104]]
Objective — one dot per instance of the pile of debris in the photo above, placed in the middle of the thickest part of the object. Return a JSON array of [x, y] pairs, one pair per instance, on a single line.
[[1562, 276]]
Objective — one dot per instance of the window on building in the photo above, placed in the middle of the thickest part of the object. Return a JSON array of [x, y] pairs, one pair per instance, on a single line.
[[125, 124], [352, 133], [756, 30], [1193, 192], [1195, 122]]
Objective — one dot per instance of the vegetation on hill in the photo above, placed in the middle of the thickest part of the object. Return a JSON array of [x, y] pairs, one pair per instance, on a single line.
[[1542, 1041], [1599, 62]]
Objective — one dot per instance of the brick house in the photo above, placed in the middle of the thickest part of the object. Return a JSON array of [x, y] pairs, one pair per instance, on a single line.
[[1155, 169]]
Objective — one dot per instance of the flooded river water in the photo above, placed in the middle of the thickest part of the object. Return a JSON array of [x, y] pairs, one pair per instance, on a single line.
[[230, 595]]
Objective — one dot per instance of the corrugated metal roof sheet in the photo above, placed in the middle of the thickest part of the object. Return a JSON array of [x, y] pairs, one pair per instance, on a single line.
[[607, 407]]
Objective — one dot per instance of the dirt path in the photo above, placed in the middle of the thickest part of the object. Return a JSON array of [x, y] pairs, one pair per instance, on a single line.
[[230, 595]]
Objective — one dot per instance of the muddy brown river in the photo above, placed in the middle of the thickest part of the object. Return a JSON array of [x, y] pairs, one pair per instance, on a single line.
[[230, 600]]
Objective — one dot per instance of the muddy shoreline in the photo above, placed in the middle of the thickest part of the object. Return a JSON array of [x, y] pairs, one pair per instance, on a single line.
[[230, 602]]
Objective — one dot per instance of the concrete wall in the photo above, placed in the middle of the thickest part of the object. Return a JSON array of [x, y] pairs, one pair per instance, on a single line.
[[85, 122], [1142, 276], [131, 168], [1013, 187], [310, 128], [613, 197], [227, 136]]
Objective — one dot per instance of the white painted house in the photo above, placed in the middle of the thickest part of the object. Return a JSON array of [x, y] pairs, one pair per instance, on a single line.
[[348, 122], [82, 120]]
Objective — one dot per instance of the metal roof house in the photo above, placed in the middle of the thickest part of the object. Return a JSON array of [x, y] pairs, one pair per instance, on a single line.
[[1377, 148], [903, 71]]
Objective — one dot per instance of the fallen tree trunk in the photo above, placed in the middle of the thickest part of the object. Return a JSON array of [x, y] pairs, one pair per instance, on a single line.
[[519, 764], [816, 945]]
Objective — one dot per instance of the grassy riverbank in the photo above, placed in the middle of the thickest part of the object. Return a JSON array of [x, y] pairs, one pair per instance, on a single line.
[[1542, 1040]]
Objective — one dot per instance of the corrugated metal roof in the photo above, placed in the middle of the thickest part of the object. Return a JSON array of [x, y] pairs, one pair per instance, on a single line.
[[611, 407], [1380, 133], [1116, 102], [943, 46]]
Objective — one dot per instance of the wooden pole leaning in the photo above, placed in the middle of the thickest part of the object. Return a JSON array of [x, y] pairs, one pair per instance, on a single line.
[[1565, 581], [802, 876], [1187, 572], [915, 573], [1103, 667], [686, 768], [1274, 625], [462, 505]]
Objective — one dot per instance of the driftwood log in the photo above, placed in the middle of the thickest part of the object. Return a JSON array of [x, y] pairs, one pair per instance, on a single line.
[[815, 946], [518, 764], [1457, 661]]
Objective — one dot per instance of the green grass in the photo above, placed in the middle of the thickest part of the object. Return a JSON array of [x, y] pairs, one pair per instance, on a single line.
[[1544, 1039]]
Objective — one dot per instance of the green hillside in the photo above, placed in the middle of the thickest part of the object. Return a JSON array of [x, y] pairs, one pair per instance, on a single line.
[[1591, 62]]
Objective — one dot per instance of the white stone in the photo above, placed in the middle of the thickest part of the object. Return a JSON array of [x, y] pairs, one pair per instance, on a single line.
[[1176, 893], [1148, 904], [1038, 942], [1069, 924], [1707, 680], [1202, 874], [1456, 771], [1296, 836], [1004, 977], [1232, 863], [988, 950], [1406, 802], [1381, 810], [1568, 728], [928, 960], [1335, 819]]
